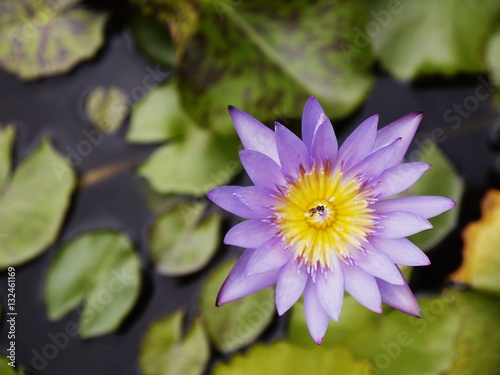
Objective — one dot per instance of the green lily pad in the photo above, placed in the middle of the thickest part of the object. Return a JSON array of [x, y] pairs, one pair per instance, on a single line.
[[194, 164], [283, 358], [181, 242], [267, 57], [154, 40], [33, 204], [394, 342], [6, 369], [159, 116], [7, 135], [164, 352], [478, 343], [481, 256], [44, 38], [415, 38], [107, 108], [441, 179], [99, 269], [238, 323]]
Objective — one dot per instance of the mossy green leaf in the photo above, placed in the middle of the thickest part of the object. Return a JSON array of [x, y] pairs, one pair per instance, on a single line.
[[154, 40], [181, 241], [6, 369], [441, 179], [159, 116], [33, 205], [164, 352], [394, 342], [194, 164], [493, 61], [481, 254], [7, 135], [415, 38], [284, 358], [238, 323], [267, 57], [44, 38], [107, 108], [99, 269], [478, 343]]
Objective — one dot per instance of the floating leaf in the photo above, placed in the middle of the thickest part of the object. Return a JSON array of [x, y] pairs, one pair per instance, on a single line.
[[478, 343], [238, 323], [43, 38], [33, 205], [182, 244], [481, 263], [159, 117], [394, 342], [107, 108], [411, 40], [6, 144], [193, 165], [267, 57], [99, 269], [163, 352], [441, 179], [283, 358], [6, 369], [154, 40]]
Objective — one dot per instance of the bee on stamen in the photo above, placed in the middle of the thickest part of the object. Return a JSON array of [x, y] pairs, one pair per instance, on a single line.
[[317, 209]]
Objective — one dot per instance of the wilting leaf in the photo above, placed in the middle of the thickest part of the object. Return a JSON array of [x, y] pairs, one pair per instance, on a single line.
[[441, 179], [6, 145], [43, 38], [238, 323], [194, 164], [283, 358], [5, 369], [478, 343], [481, 255], [415, 38], [99, 269], [394, 342], [164, 352], [181, 241], [268, 56], [159, 117], [107, 108], [33, 205]]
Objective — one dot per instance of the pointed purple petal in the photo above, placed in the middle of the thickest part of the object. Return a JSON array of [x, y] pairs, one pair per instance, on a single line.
[[401, 224], [377, 264], [425, 206], [404, 128], [258, 198], [253, 134], [362, 287], [359, 144], [400, 297], [325, 145], [269, 256], [399, 178], [313, 118], [261, 169], [224, 197], [290, 285], [374, 164], [316, 318], [400, 251], [237, 285], [292, 151], [250, 233], [330, 289]]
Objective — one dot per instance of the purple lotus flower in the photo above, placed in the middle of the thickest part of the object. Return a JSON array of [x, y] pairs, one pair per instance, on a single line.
[[319, 221]]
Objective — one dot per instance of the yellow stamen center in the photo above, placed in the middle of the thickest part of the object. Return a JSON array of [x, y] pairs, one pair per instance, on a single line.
[[321, 212]]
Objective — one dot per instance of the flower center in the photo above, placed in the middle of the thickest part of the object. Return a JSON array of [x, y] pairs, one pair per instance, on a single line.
[[321, 212]]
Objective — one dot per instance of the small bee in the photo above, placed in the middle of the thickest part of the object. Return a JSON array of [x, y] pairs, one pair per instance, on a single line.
[[317, 209]]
